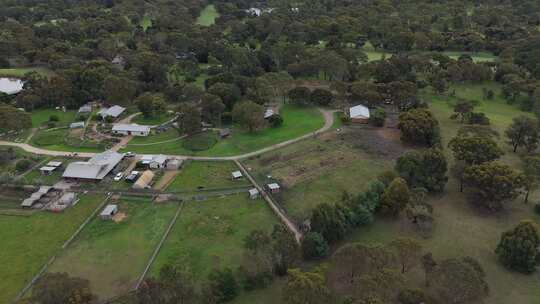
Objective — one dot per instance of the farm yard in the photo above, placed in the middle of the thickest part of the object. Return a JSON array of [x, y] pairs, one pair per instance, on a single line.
[[209, 234], [28, 242], [113, 254], [206, 176], [297, 121]]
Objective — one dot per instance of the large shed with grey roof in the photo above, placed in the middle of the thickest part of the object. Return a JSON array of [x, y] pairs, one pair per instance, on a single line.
[[131, 129], [95, 168], [113, 112]]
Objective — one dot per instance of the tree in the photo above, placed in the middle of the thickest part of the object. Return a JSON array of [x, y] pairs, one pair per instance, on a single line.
[[419, 126], [223, 286], [458, 281], [519, 248], [189, 118], [377, 117], [54, 288], [249, 115], [229, 93], [424, 169], [531, 174], [305, 287], [314, 246], [408, 252], [492, 184], [395, 198], [119, 90], [12, 119], [475, 150], [151, 105], [211, 109], [286, 250], [462, 109], [321, 97], [174, 285], [300, 95], [523, 132], [327, 221]]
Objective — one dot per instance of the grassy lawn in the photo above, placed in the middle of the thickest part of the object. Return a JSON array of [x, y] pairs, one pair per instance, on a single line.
[[28, 242], [20, 72], [151, 121], [63, 140], [209, 175], [316, 171], [41, 116], [297, 122], [208, 16], [146, 22], [35, 176], [209, 234], [112, 255]]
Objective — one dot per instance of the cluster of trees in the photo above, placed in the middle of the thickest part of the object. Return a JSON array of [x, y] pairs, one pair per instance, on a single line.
[[13, 119]]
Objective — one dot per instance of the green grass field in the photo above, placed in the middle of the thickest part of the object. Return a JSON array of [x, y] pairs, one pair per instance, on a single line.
[[35, 176], [297, 122], [20, 72], [209, 234], [208, 16], [113, 255], [41, 116], [29, 242], [209, 175], [151, 121], [316, 171]]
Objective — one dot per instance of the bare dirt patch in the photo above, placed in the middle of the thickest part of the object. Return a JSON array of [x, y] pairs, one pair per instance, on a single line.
[[120, 216], [383, 142]]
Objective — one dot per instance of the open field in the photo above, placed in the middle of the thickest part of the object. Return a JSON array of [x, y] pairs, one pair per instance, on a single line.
[[41, 116], [63, 140], [208, 16], [209, 234], [319, 170], [297, 122], [151, 121], [112, 255], [28, 242], [206, 175], [20, 72]]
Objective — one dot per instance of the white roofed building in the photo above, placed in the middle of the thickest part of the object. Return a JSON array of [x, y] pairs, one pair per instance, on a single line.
[[131, 129], [95, 168], [154, 161], [359, 114], [113, 112]]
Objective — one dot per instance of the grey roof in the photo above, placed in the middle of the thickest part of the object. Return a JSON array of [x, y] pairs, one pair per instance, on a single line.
[[74, 125], [268, 113], [48, 168], [130, 128], [67, 198], [29, 202], [359, 111], [54, 164], [109, 210], [85, 109], [224, 132], [148, 159], [273, 186], [237, 174], [113, 111], [253, 191], [95, 168]]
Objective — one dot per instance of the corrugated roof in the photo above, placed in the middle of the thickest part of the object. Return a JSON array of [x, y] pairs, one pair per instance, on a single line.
[[253, 191], [95, 168], [109, 210], [11, 85], [79, 124], [237, 174], [273, 186], [359, 111], [130, 128], [85, 109], [113, 111], [54, 164], [47, 168], [144, 180]]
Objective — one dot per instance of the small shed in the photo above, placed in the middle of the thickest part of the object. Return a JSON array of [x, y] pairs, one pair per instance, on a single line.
[[108, 212], [144, 181], [56, 164], [273, 187], [77, 125], [254, 193], [269, 113], [236, 175], [47, 170], [359, 114], [174, 164], [154, 161], [85, 109]]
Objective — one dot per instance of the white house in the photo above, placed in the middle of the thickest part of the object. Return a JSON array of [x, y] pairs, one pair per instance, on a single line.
[[109, 212], [359, 114], [154, 161], [236, 175], [253, 193], [131, 129]]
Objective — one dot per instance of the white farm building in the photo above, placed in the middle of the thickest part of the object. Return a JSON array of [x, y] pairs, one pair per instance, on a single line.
[[131, 129]]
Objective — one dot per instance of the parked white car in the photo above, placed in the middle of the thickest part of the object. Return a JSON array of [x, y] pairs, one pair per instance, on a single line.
[[118, 176]]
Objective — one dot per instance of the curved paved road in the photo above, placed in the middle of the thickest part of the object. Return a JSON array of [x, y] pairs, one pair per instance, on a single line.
[[328, 122]]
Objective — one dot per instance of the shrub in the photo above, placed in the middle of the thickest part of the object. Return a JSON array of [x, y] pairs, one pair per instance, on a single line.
[[23, 165], [51, 124], [345, 119], [314, 246], [223, 285], [411, 296], [377, 117], [54, 118], [478, 118], [537, 208], [276, 121]]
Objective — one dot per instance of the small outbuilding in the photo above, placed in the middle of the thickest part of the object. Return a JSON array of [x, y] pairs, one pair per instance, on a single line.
[[273, 187], [174, 164], [85, 109], [113, 112], [269, 113], [224, 133], [109, 212], [359, 114], [56, 164], [254, 193], [46, 170], [77, 125], [144, 181], [236, 175], [154, 161]]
